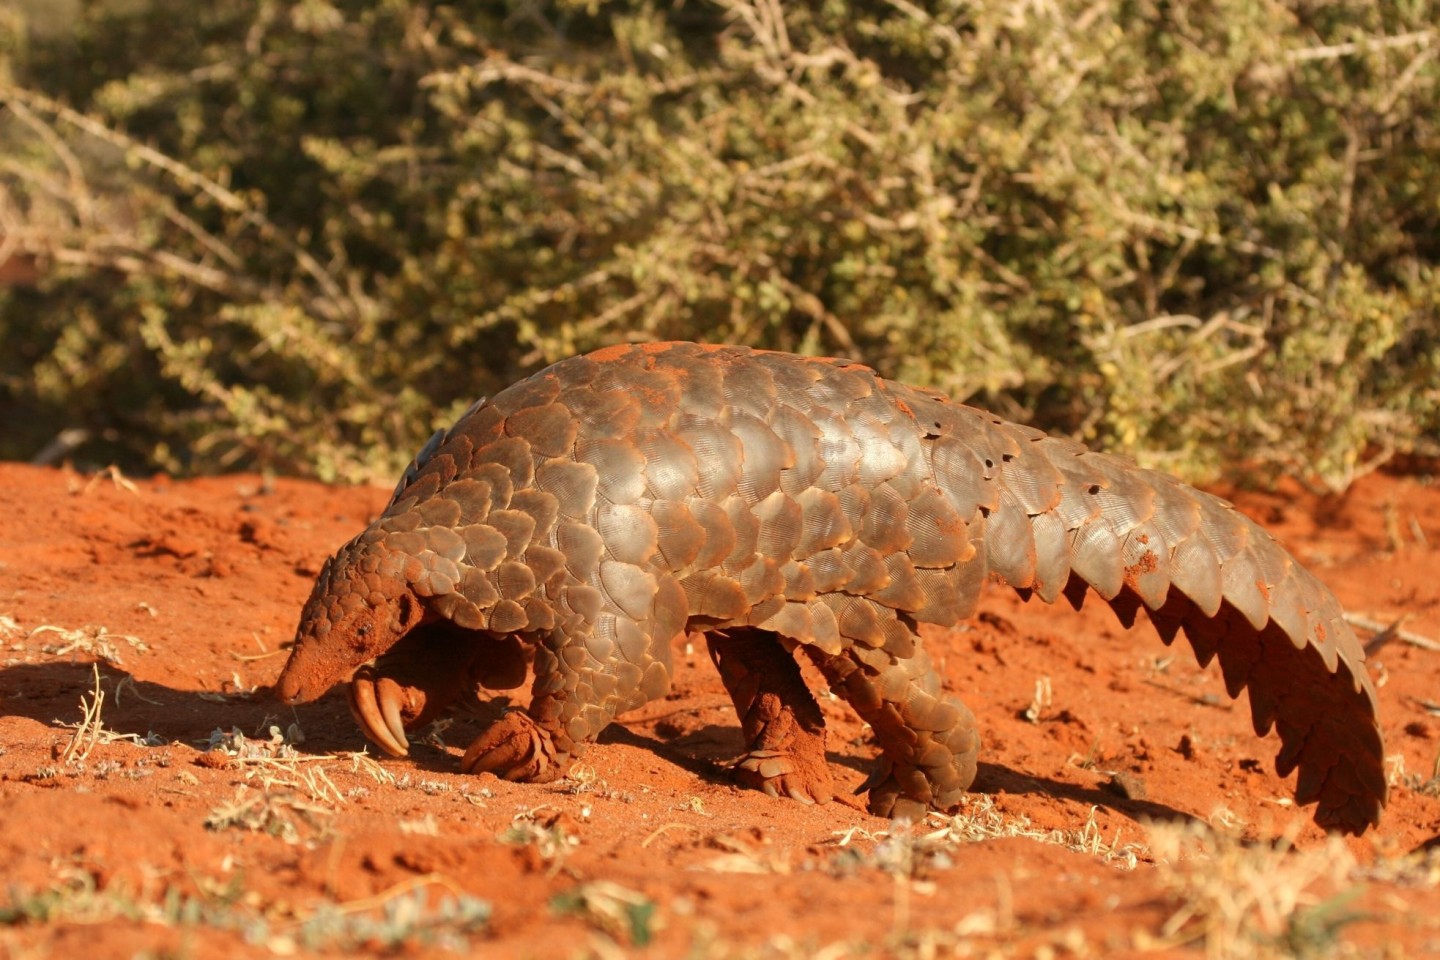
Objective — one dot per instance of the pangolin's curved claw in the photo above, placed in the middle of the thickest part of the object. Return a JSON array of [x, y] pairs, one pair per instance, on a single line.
[[391, 696], [378, 718]]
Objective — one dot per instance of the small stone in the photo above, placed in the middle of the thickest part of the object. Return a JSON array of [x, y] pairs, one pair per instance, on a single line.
[[1126, 785], [213, 760]]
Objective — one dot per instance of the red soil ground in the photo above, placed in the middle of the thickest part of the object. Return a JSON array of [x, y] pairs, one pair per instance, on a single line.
[[182, 848]]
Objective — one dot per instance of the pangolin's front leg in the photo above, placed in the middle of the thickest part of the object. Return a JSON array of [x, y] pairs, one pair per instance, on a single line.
[[582, 681], [416, 681]]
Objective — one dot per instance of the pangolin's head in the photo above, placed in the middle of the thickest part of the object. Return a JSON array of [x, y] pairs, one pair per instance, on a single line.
[[360, 607], [438, 561]]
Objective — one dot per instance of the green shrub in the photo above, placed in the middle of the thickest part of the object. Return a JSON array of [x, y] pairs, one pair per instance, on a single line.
[[301, 235]]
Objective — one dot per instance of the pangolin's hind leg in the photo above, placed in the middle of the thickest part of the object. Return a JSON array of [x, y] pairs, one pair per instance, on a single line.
[[927, 738], [783, 727]]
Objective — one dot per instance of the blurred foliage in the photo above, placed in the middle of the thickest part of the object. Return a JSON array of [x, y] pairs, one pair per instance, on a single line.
[[300, 235]]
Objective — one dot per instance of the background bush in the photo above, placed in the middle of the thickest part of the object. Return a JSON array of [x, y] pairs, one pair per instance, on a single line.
[[301, 235]]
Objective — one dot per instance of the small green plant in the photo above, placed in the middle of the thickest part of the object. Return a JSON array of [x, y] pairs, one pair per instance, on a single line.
[[399, 921], [405, 920], [624, 914], [551, 833]]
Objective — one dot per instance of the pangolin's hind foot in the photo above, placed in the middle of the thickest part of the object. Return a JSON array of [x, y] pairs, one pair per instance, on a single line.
[[783, 775], [785, 759], [927, 738], [516, 747], [893, 799], [783, 727]]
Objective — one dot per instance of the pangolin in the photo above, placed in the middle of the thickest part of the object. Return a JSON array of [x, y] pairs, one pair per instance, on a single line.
[[588, 515]]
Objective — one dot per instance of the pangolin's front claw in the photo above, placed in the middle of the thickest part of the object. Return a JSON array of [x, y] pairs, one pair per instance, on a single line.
[[379, 706], [515, 748], [778, 774]]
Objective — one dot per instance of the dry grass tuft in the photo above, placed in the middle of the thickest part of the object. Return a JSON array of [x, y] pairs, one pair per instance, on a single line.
[[396, 922], [278, 813], [90, 640], [90, 732], [746, 853], [112, 473], [399, 921], [918, 853], [10, 629], [551, 833], [286, 782], [275, 764], [1042, 701], [1253, 900], [1426, 784], [711, 945], [1419, 870], [981, 820]]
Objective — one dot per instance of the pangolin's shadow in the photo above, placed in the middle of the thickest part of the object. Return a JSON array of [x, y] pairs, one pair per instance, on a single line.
[[997, 778], [706, 751], [50, 693]]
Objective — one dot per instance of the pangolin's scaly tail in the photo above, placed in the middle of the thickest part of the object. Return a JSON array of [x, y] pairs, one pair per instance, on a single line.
[[1063, 520]]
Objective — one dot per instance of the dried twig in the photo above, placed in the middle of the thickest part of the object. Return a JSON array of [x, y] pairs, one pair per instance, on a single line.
[[116, 478], [1383, 634], [1369, 44], [1044, 698], [87, 732]]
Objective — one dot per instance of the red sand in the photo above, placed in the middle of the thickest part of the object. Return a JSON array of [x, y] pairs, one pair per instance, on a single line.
[[209, 575]]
